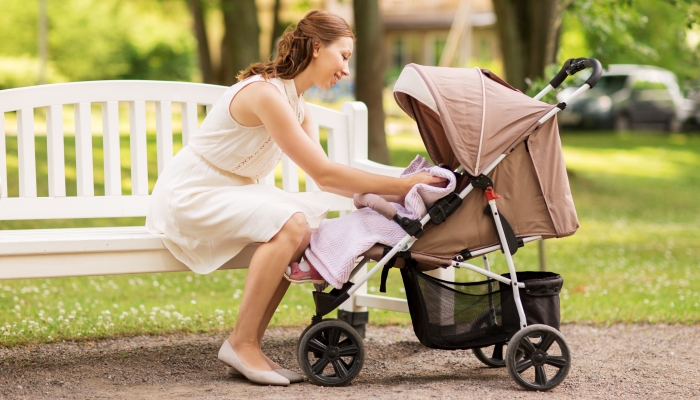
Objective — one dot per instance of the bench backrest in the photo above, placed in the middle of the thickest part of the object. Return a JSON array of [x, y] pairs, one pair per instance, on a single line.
[[170, 98]]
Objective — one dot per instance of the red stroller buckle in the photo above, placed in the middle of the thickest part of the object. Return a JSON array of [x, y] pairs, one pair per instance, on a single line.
[[490, 194]]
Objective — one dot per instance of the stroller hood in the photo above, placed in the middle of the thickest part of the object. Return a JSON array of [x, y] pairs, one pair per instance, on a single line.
[[470, 117], [466, 116]]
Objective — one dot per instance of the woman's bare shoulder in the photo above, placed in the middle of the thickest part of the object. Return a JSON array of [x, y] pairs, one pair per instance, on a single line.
[[250, 98]]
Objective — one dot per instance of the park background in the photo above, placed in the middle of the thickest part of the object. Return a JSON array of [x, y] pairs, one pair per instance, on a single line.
[[635, 258]]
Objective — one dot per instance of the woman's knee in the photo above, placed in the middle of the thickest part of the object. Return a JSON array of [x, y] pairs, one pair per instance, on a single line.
[[296, 228]]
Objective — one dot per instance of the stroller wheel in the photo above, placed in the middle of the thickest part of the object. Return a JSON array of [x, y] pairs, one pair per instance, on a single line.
[[545, 358], [497, 355], [331, 353]]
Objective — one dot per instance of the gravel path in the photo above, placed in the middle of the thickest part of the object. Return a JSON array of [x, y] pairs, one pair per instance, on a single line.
[[627, 361]]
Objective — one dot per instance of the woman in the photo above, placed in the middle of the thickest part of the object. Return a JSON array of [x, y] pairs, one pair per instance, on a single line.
[[207, 207]]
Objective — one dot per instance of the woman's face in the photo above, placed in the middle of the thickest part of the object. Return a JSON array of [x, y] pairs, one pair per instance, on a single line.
[[331, 62]]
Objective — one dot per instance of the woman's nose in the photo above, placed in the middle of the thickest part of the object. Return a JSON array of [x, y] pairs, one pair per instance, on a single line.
[[346, 72]]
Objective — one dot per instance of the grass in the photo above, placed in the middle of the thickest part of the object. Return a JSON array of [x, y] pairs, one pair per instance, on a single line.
[[634, 259]]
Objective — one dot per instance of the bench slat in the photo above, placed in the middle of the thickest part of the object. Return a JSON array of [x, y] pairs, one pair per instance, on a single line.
[[99, 91], [138, 145], [83, 150], [3, 158], [164, 133], [25, 149], [290, 175], [327, 118], [55, 153], [110, 145], [105, 263], [189, 121]]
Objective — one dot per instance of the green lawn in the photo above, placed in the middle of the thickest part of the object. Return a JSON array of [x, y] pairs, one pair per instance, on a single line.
[[634, 259]]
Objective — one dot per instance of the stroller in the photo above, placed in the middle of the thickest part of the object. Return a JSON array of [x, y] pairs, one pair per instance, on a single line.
[[505, 147]]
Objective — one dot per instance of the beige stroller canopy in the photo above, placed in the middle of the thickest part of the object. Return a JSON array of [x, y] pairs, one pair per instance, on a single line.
[[469, 117]]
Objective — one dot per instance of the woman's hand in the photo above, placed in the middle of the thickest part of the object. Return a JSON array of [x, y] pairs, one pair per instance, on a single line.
[[427, 179]]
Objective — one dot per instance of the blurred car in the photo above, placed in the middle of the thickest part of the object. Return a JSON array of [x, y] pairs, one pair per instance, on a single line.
[[628, 97]]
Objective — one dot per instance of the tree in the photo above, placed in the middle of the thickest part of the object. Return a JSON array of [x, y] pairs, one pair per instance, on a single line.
[[369, 73], [528, 32], [240, 45], [529, 29]]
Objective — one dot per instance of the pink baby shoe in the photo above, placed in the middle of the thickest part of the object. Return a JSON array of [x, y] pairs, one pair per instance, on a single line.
[[303, 272]]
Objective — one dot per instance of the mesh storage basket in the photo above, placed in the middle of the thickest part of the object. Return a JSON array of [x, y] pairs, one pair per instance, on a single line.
[[453, 315]]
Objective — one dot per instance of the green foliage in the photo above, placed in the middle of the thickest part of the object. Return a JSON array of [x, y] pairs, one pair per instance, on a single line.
[[24, 71], [649, 32], [107, 39]]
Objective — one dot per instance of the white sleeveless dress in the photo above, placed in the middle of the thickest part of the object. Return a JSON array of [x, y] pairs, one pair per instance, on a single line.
[[206, 205]]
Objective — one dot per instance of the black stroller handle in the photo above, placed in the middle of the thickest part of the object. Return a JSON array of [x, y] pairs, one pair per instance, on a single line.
[[574, 65]]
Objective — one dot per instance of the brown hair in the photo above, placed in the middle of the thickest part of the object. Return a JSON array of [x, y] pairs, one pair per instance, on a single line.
[[296, 47]]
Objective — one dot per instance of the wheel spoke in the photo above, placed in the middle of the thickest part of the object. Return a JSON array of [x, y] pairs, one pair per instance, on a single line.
[[316, 345], [546, 341], [523, 365], [348, 350], [527, 346], [498, 351], [319, 365], [333, 336], [556, 361], [540, 375], [340, 368]]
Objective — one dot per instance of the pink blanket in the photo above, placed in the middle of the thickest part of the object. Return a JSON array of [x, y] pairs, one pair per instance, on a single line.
[[337, 243]]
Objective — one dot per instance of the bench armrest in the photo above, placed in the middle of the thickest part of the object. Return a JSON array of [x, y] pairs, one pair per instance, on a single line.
[[377, 168]]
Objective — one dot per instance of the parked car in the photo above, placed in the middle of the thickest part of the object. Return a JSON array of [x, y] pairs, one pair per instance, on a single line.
[[628, 97]]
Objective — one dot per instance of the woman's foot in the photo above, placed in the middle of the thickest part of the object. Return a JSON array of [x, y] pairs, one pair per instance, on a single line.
[[293, 377], [303, 272], [266, 376]]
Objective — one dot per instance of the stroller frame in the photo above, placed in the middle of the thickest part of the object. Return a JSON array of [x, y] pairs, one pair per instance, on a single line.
[[522, 337]]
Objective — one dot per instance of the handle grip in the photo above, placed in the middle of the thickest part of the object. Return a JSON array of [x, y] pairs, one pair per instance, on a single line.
[[574, 65]]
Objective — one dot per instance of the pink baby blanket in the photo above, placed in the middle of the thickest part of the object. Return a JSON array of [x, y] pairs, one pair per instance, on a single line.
[[338, 242]]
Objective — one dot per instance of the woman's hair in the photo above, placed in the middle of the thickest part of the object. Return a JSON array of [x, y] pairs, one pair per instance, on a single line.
[[296, 47]]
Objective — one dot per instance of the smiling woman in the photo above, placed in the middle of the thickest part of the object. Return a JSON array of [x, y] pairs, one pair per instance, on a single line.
[[206, 205]]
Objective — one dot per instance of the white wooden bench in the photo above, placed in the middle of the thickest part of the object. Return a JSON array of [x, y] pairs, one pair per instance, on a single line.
[[46, 253]]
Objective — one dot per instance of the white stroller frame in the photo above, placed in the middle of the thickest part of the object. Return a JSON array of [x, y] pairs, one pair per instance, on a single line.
[[570, 67]]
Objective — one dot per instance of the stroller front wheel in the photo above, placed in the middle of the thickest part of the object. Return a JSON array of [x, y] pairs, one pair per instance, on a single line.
[[331, 353], [545, 359]]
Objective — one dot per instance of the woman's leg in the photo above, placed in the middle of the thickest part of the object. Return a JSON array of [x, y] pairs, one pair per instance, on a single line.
[[279, 294], [266, 267]]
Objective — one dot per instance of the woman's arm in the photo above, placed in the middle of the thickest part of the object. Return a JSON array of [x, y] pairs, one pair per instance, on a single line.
[[307, 126], [272, 109]]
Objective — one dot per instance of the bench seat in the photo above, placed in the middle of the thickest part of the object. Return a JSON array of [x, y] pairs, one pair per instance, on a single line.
[[44, 253]]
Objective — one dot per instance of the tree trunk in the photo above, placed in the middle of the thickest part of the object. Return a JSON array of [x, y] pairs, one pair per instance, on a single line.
[[200, 32], [369, 73], [241, 43], [527, 31], [277, 29]]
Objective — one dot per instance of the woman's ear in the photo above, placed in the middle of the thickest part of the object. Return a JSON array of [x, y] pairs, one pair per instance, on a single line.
[[317, 48]]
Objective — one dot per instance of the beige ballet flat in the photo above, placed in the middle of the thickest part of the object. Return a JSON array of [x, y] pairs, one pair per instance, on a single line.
[[291, 375], [230, 358]]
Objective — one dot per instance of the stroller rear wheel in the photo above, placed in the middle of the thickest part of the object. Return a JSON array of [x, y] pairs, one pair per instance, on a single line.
[[545, 358], [331, 353], [497, 355]]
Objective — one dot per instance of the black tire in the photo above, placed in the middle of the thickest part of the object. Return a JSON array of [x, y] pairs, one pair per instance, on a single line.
[[331, 353], [536, 343], [497, 358]]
